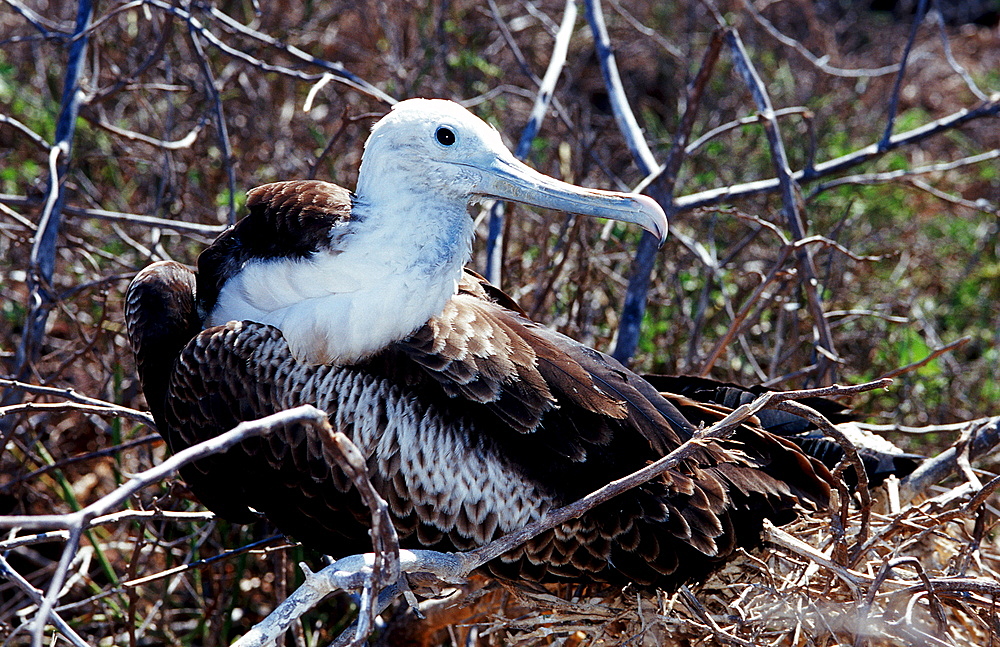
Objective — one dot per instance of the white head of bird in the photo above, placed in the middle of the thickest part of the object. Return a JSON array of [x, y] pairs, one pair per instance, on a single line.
[[398, 259]]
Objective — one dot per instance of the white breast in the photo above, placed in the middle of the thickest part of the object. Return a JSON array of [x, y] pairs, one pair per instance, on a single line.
[[341, 305]]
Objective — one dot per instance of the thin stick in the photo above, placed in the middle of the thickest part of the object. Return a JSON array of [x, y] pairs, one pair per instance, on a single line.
[[740, 317], [37, 139], [634, 307], [710, 197], [744, 121], [339, 450], [10, 574], [819, 63], [145, 440], [897, 86], [627, 124], [827, 354], [543, 98], [43, 252], [304, 414], [889, 176], [117, 216], [934, 470], [201, 563], [221, 127], [76, 522], [103, 520], [113, 411], [342, 74], [961, 71]]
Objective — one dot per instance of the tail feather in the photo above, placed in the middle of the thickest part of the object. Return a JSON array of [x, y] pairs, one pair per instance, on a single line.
[[697, 398]]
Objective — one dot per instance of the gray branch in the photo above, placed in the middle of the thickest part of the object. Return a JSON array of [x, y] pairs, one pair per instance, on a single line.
[[790, 197], [43, 252], [543, 98]]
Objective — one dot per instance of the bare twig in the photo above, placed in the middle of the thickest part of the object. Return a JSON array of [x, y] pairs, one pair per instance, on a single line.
[[42, 259], [43, 252], [184, 142], [827, 354], [108, 451], [819, 63], [740, 317], [889, 176], [649, 32], [961, 71], [76, 522], [339, 450], [113, 411], [933, 355], [345, 120], [936, 609], [116, 216], [745, 121], [984, 493], [221, 127], [627, 124], [35, 595], [720, 635], [305, 414], [62, 392], [45, 26], [710, 197], [898, 85], [851, 457], [104, 520], [634, 306], [934, 470], [201, 563], [853, 579], [719, 430], [37, 139], [980, 204], [543, 98], [336, 69]]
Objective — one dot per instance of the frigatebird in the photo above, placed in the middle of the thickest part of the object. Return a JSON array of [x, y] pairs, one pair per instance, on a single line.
[[474, 420]]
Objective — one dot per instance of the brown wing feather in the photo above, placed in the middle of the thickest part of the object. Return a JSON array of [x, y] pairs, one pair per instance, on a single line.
[[288, 219]]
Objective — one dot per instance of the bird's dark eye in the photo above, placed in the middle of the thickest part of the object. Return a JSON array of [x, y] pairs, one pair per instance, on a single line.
[[445, 136]]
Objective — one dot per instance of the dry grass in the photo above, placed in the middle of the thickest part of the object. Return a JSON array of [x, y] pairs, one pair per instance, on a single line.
[[934, 279], [796, 593], [927, 574]]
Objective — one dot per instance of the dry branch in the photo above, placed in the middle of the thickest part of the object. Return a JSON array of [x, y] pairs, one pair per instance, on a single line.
[[985, 110], [634, 306], [985, 438], [43, 253], [77, 522], [790, 198]]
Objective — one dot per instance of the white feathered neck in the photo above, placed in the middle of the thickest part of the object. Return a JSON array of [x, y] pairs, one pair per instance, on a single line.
[[388, 269]]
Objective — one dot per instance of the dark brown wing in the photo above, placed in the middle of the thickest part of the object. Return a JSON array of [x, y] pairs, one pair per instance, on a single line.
[[728, 396]]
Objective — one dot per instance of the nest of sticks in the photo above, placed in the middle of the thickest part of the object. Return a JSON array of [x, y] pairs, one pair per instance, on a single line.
[[921, 573]]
